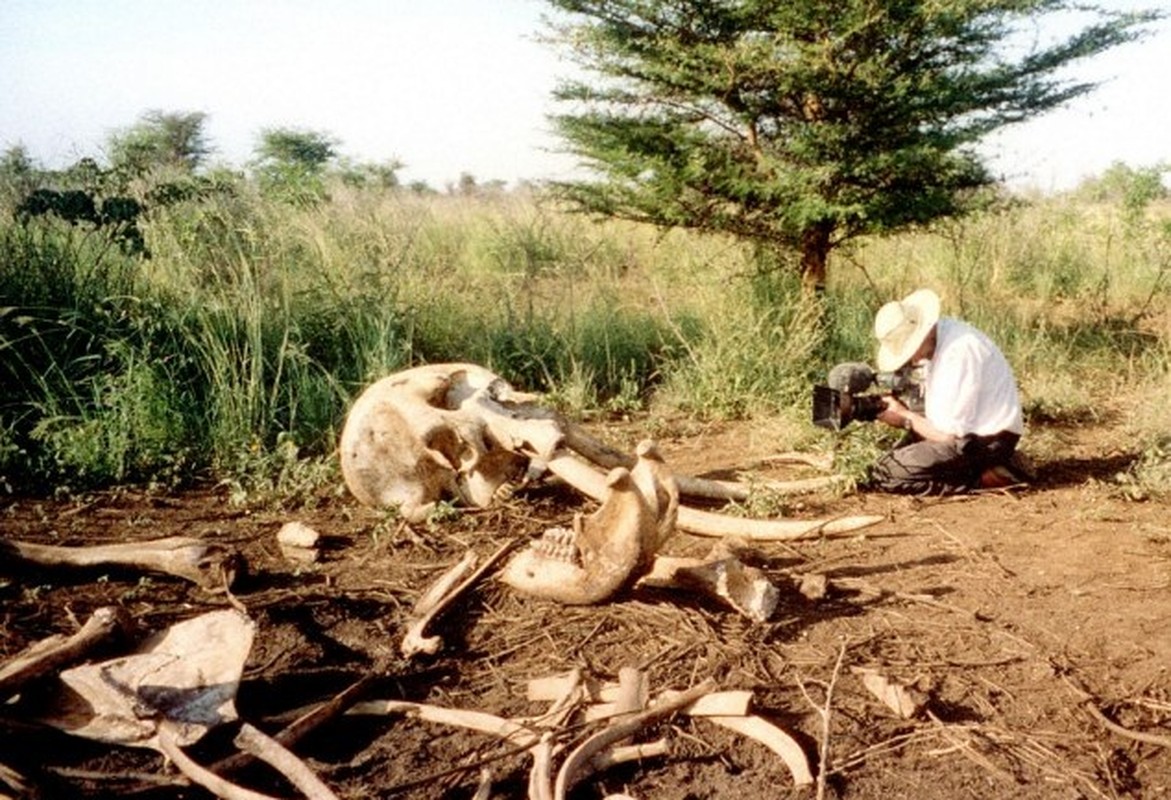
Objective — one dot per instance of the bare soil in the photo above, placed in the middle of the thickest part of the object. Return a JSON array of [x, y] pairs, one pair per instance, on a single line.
[[1034, 622]]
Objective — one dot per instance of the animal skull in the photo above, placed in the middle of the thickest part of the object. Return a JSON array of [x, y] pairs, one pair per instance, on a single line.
[[442, 431]]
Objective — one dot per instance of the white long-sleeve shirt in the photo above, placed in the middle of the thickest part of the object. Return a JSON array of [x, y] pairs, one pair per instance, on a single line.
[[969, 386]]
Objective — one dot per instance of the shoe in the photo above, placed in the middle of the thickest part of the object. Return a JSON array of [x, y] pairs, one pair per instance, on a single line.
[[998, 477], [1022, 467]]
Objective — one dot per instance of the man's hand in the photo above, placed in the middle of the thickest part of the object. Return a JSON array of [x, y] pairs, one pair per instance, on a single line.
[[895, 414]]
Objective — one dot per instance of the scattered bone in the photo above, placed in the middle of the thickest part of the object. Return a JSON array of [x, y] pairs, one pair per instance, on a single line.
[[660, 490], [774, 739], [509, 730], [220, 787], [438, 598], [722, 576], [187, 674], [298, 542], [271, 752], [606, 549], [211, 566], [48, 655], [577, 764], [813, 586], [906, 702], [167, 695]]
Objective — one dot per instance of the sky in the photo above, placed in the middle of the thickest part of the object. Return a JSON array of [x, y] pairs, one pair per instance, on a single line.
[[446, 87]]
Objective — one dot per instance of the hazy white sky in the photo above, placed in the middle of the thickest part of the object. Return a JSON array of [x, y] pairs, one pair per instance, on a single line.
[[445, 86]]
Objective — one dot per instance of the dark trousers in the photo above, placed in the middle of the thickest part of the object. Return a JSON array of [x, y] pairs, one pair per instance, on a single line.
[[918, 466]]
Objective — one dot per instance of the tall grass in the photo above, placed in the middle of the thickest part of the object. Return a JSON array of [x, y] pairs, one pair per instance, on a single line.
[[245, 335]]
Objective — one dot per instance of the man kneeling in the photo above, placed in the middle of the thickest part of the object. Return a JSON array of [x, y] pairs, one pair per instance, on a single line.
[[971, 421]]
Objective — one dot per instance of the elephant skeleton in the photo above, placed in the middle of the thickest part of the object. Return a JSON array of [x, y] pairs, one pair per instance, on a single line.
[[460, 432]]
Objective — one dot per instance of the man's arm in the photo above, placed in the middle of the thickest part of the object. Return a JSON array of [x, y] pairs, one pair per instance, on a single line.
[[898, 415]]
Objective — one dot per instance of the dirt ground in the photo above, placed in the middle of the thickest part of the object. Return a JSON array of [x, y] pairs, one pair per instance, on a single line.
[[1033, 624]]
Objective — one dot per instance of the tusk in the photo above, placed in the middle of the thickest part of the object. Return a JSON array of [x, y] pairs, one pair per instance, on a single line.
[[601, 454], [590, 482]]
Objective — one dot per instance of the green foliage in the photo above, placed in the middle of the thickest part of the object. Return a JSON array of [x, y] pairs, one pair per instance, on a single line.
[[170, 141], [234, 352], [803, 124], [290, 164]]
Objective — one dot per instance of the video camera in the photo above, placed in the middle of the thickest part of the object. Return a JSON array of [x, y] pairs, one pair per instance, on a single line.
[[854, 391]]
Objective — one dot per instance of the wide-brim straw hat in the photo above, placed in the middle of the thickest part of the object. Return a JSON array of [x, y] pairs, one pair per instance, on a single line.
[[902, 325]]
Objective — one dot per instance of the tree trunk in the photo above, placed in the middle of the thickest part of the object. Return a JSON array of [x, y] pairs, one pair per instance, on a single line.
[[815, 247]]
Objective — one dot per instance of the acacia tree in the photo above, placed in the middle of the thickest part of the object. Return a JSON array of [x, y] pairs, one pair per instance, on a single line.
[[175, 140], [292, 162], [799, 124]]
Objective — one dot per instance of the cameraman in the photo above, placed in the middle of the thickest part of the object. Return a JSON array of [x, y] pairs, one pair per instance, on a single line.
[[971, 421]]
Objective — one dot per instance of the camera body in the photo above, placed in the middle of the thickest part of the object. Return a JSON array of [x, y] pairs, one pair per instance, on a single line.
[[854, 391]]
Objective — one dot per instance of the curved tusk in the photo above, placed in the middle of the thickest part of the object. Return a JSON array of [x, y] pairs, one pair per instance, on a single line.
[[592, 483], [601, 454]]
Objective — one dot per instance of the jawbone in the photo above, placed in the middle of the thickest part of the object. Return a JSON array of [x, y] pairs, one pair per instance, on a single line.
[[596, 559]]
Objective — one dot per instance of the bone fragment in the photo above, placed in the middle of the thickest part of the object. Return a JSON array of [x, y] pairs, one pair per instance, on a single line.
[[271, 752], [208, 565], [661, 492], [633, 691], [484, 788], [576, 765], [723, 577], [185, 676], [590, 482], [627, 753], [905, 701], [168, 745], [541, 774], [513, 732], [438, 598], [298, 542], [55, 652], [775, 739], [554, 687]]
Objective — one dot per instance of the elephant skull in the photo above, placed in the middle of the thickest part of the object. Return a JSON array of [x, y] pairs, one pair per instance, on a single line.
[[441, 431]]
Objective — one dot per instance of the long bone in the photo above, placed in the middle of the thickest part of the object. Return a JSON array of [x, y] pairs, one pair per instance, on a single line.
[[589, 482], [209, 565]]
